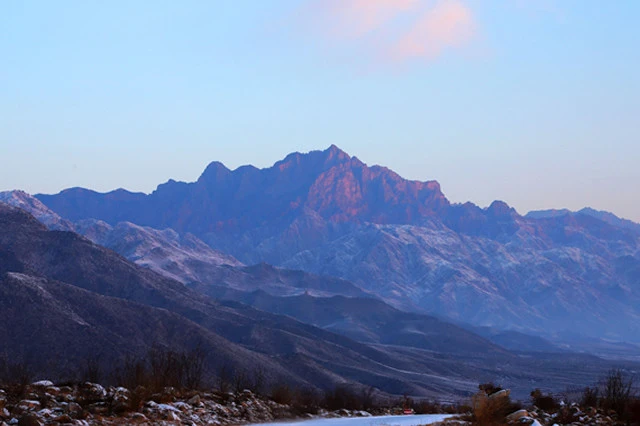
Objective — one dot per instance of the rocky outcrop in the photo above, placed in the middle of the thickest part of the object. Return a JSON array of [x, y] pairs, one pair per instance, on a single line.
[[43, 403], [90, 403], [570, 414]]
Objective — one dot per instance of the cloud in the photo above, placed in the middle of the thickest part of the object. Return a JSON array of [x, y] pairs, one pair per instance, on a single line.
[[396, 31], [358, 18], [449, 24]]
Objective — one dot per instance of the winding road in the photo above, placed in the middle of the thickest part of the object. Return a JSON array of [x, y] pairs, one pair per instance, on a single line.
[[421, 419]]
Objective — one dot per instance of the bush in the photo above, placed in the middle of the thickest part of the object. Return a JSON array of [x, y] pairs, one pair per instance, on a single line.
[[489, 388], [633, 412], [306, 401], [163, 368], [427, 407], [589, 397], [616, 392], [92, 371], [542, 401], [282, 394], [489, 411], [15, 373], [566, 415], [342, 397]]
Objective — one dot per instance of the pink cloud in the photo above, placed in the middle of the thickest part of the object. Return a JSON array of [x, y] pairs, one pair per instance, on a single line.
[[394, 30], [448, 24], [357, 18]]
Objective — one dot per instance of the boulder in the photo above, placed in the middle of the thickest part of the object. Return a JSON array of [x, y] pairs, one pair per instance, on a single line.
[[42, 384], [29, 419], [194, 400], [500, 394], [517, 415]]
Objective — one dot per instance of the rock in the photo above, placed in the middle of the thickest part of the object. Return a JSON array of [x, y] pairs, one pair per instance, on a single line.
[[517, 415], [195, 400], [92, 392], [63, 419], [42, 384], [172, 417], [30, 419], [28, 405], [73, 409], [120, 399], [500, 394], [139, 418]]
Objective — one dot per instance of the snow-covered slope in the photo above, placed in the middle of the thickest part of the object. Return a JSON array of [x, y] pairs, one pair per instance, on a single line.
[[525, 284], [32, 205], [182, 258]]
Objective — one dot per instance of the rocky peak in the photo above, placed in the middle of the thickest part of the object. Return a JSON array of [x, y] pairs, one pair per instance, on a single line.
[[333, 153], [314, 161], [500, 209], [215, 172]]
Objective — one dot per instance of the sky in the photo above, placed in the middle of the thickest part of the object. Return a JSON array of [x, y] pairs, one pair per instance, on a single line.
[[534, 102]]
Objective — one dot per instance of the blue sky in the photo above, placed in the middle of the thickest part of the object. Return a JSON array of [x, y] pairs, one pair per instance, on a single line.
[[535, 102]]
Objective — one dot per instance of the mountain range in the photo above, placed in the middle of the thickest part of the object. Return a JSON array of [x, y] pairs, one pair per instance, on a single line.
[[66, 299], [329, 214]]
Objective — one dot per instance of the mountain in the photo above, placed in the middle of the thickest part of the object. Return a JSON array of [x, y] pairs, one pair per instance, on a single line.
[[186, 258], [64, 295], [183, 258], [604, 216], [54, 327], [330, 183], [366, 320], [526, 284], [32, 205], [546, 214], [65, 299], [329, 214]]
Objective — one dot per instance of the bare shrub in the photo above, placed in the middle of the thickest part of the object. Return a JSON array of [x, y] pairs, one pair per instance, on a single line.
[[240, 381], [633, 411], [163, 368], [282, 394], [542, 401], [589, 397], [194, 364], [616, 391], [306, 401], [566, 415], [367, 398], [131, 373], [15, 373], [342, 396], [92, 369], [225, 378], [489, 388], [257, 382]]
